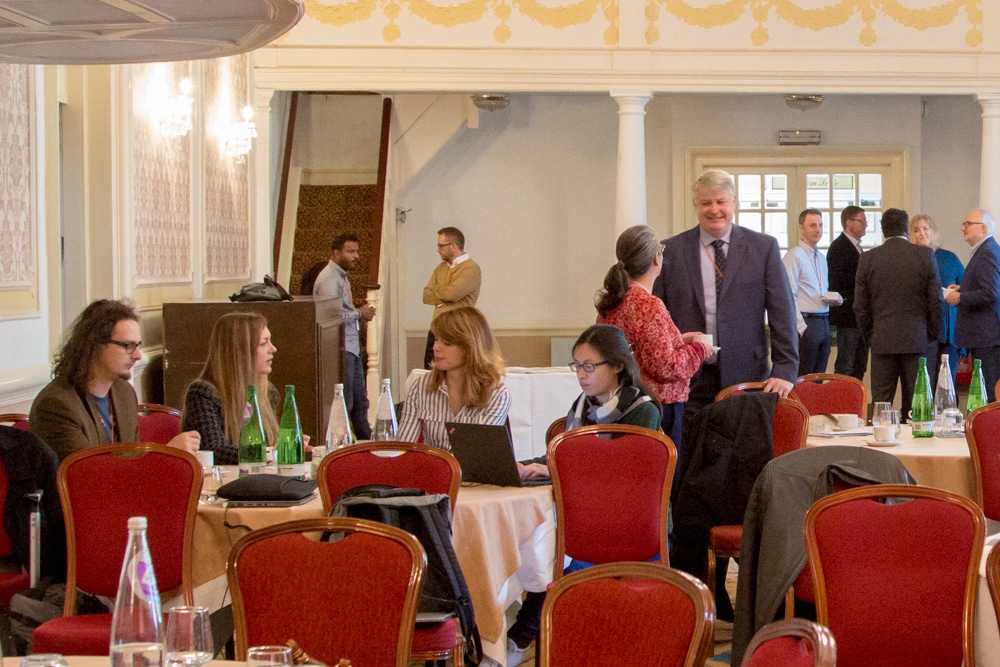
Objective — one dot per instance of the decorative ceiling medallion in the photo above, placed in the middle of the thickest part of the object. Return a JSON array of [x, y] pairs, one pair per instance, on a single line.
[[96, 32]]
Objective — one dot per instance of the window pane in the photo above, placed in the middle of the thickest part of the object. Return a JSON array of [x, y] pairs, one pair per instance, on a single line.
[[873, 236], [844, 192], [748, 189], [870, 190], [749, 220], [776, 194], [818, 191], [776, 224]]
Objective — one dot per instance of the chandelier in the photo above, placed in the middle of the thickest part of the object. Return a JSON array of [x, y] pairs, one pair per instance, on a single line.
[[240, 136]]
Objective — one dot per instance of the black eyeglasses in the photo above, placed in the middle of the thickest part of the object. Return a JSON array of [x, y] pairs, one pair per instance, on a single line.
[[969, 223], [445, 245], [128, 346], [587, 367]]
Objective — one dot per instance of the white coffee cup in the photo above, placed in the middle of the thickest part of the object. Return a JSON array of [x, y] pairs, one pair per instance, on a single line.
[[885, 433], [704, 338], [206, 457], [847, 422]]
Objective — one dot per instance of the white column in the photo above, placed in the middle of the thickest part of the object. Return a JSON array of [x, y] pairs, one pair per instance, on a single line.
[[989, 177], [262, 248], [630, 200]]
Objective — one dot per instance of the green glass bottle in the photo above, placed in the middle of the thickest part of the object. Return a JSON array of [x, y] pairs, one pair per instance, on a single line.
[[290, 451], [922, 407], [253, 442], [977, 388]]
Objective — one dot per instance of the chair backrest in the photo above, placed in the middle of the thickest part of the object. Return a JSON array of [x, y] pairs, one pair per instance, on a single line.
[[611, 493], [896, 583], [158, 423], [791, 642], [101, 487], [831, 393], [741, 388], [982, 431], [627, 614], [403, 464], [790, 428], [356, 597], [18, 420], [993, 578], [554, 429]]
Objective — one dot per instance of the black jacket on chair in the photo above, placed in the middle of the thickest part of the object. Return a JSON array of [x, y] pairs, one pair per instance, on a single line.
[[31, 465]]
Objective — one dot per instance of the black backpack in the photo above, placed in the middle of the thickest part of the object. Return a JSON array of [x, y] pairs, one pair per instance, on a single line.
[[428, 518]]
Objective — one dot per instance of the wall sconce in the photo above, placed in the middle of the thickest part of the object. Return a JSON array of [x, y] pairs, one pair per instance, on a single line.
[[169, 114], [240, 136]]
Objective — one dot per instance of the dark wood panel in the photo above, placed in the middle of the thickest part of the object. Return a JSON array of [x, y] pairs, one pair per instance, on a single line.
[[309, 335]]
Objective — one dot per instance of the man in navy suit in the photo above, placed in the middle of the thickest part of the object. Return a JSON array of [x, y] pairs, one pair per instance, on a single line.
[[721, 279], [897, 301], [842, 258], [977, 325]]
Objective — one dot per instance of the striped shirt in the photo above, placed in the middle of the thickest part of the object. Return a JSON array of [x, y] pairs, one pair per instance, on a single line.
[[426, 413]]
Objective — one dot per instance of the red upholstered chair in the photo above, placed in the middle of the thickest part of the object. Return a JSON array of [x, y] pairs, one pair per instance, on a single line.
[[158, 423], [741, 388], [627, 614], [356, 597], [611, 494], [407, 465], [403, 464], [793, 642], [789, 432], [896, 583], [16, 419], [100, 488], [554, 429], [10, 582], [993, 578], [832, 394], [982, 431]]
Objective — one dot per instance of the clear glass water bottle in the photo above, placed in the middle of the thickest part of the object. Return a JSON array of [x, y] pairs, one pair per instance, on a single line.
[[977, 388], [338, 432], [946, 414], [253, 441], [386, 425], [137, 624], [290, 450], [922, 406]]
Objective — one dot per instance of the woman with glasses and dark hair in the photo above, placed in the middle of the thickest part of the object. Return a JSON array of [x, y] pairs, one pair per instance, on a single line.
[[667, 358]]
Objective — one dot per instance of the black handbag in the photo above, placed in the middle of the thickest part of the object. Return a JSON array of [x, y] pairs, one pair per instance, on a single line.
[[269, 290]]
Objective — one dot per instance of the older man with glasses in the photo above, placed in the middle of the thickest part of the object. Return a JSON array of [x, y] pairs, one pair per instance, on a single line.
[[977, 325], [90, 402]]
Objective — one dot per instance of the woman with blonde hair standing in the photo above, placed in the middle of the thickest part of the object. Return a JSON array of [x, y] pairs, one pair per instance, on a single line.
[[950, 271], [667, 359], [465, 384], [240, 353]]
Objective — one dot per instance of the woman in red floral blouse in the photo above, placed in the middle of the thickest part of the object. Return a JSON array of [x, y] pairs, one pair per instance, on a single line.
[[667, 358]]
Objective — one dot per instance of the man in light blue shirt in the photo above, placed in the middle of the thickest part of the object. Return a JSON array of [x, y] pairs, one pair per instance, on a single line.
[[807, 276], [332, 281]]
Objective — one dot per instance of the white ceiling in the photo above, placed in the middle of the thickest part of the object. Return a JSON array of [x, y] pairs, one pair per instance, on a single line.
[[88, 32]]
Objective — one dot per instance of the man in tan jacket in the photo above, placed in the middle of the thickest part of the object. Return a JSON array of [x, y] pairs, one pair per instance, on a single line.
[[455, 282]]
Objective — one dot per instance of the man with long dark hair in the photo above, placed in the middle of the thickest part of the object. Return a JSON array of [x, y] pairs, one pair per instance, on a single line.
[[90, 401]]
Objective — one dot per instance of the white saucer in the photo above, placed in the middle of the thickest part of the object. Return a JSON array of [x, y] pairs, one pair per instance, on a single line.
[[883, 443]]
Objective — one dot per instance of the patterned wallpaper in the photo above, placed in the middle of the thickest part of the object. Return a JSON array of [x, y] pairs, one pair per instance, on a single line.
[[17, 251], [161, 190], [227, 206]]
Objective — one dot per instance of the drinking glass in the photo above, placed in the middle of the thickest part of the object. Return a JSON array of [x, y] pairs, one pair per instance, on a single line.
[[879, 413], [189, 637], [892, 419], [43, 660], [269, 656], [210, 484]]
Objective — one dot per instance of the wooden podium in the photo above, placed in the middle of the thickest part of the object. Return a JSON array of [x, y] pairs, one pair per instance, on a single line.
[[309, 335]]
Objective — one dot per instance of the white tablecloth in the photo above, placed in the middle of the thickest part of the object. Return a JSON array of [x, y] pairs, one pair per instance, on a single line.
[[538, 396]]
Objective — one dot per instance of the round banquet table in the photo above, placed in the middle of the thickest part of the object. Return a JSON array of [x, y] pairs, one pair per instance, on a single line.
[[943, 463]]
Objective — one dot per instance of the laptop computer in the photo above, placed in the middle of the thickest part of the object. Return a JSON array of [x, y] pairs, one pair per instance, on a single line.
[[485, 453], [272, 503]]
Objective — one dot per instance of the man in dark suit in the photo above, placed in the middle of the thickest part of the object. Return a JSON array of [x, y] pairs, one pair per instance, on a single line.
[[721, 279], [842, 260], [977, 325], [90, 402], [897, 301]]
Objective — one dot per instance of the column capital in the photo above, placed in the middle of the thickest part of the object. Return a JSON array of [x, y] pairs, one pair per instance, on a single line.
[[632, 102]]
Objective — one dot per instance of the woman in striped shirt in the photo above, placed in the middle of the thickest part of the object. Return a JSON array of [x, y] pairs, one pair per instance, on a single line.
[[465, 383]]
